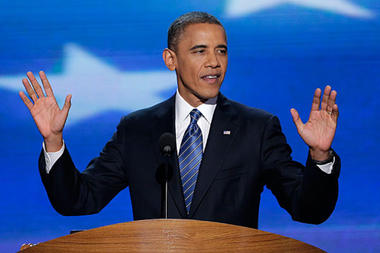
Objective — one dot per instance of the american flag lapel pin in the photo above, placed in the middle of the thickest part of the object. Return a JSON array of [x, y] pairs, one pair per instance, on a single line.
[[226, 132]]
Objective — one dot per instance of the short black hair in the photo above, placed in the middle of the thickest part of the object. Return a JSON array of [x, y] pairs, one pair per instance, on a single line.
[[179, 25]]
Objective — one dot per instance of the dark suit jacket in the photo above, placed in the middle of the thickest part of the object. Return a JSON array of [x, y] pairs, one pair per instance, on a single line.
[[234, 169]]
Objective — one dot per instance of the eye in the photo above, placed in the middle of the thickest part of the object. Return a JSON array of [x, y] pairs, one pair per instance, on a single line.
[[200, 51], [222, 51]]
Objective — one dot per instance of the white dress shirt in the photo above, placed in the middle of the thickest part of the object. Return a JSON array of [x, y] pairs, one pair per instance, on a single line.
[[182, 121], [182, 118]]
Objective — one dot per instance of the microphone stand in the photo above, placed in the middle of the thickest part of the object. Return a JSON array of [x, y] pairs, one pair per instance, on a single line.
[[164, 173], [165, 190]]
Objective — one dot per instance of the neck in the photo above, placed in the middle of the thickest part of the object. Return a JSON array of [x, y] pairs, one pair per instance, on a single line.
[[196, 101]]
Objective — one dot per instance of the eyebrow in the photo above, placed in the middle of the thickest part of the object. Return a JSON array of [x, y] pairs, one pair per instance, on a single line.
[[197, 47], [204, 46], [221, 46]]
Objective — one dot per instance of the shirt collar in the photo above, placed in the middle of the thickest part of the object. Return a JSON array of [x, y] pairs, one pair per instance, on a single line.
[[183, 109]]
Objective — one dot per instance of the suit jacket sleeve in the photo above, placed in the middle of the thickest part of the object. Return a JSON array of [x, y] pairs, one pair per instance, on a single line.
[[75, 193], [307, 193]]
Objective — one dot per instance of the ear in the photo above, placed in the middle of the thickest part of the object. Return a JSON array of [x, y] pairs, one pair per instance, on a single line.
[[169, 58]]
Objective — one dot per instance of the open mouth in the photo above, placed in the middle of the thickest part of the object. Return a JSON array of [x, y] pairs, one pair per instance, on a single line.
[[211, 77]]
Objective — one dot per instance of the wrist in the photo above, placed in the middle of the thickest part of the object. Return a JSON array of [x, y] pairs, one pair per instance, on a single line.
[[331, 159], [53, 143], [320, 156]]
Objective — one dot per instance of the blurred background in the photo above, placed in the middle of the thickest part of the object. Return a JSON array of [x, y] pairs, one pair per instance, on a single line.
[[107, 54]]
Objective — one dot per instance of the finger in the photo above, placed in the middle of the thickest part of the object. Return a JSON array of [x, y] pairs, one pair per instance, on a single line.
[[296, 119], [335, 112], [29, 90], [67, 105], [46, 84], [326, 95], [316, 100], [331, 102], [35, 84], [26, 100]]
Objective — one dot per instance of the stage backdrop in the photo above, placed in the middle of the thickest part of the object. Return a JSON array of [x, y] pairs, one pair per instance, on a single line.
[[107, 54]]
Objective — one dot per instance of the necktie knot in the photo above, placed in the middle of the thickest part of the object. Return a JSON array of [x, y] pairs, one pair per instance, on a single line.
[[195, 115]]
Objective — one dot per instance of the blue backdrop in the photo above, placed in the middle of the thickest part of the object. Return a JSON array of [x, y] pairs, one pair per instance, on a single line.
[[107, 54]]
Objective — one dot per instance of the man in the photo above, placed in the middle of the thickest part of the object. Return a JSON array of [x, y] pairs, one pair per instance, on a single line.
[[226, 152]]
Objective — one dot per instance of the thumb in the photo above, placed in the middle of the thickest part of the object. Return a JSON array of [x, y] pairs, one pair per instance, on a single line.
[[67, 105], [296, 119]]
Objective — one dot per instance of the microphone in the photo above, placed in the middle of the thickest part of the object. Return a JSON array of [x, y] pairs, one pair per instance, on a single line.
[[167, 144], [164, 172]]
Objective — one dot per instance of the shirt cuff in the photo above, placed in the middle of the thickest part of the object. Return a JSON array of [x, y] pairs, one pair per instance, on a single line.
[[328, 167], [52, 157]]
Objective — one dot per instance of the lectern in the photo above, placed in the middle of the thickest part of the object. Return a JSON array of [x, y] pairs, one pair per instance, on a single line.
[[172, 236]]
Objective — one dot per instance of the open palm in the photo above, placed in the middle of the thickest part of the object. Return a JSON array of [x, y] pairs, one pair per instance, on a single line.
[[49, 118], [319, 131]]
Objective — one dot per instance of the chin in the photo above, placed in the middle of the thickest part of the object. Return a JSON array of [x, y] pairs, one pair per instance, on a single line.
[[208, 94]]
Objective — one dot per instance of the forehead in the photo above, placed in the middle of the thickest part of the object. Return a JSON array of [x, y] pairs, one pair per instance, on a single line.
[[202, 34]]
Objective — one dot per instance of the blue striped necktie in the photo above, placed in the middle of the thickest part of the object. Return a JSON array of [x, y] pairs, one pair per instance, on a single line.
[[190, 156]]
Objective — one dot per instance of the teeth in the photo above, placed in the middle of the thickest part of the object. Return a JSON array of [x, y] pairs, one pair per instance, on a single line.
[[210, 76]]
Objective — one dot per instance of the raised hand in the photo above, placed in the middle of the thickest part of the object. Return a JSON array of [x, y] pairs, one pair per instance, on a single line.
[[47, 115], [318, 132]]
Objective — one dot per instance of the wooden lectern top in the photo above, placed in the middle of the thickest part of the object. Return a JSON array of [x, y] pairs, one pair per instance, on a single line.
[[172, 235]]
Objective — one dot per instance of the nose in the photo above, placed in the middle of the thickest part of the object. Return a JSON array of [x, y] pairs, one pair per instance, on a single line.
[[212, 61]]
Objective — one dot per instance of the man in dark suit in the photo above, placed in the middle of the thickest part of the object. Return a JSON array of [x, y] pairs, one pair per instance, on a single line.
[[232, 150]]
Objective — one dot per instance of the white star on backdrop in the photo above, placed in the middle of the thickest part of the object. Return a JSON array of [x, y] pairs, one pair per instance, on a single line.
[[97, 86], [238, 8]]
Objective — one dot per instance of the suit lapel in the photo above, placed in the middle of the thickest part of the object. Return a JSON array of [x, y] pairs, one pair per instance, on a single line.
[[165, 122], [222, 131]]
